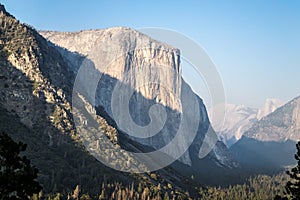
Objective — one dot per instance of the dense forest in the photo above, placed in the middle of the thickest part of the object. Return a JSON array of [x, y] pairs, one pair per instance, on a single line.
[[258, 187], [18, 176]]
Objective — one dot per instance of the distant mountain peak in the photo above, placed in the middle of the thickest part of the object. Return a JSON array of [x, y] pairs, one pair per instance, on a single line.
[[239, 118], [235, 121], [270, 106]]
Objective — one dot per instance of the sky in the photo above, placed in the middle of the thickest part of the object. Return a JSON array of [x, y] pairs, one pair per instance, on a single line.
[[255, 44]]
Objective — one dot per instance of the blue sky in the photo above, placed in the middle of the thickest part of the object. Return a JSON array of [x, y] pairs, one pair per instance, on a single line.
[[254, 44]]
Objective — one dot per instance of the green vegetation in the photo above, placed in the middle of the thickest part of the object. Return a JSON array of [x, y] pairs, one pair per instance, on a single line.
[[117, 191], [17, 176], [261, 187], [293, 186], [64, 166]]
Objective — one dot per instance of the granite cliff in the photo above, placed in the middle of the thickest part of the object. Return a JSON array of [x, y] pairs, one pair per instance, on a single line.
[[37, 79], [154, 74], [35, 108]]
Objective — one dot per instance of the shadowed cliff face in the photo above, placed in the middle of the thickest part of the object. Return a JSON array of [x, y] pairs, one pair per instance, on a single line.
[[119, 51], [36, 87], [36, 82], [34, 108], [127, 56]]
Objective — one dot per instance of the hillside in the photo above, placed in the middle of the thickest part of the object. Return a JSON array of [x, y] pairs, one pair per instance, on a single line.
[[36, 88], [270, 143], [150, 71]]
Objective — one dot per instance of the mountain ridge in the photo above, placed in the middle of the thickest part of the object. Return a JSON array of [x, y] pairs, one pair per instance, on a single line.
[[271, 140], [285, 118], [239, 118]]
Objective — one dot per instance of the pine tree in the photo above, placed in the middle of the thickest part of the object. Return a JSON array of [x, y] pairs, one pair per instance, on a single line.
[[293, 187], [17, 176]]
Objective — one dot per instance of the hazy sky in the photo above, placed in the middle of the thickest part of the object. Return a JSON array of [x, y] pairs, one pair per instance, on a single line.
[[254, 44]]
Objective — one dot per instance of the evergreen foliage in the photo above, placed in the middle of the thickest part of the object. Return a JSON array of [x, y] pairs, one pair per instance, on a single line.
[[292, 188], [17, 176]]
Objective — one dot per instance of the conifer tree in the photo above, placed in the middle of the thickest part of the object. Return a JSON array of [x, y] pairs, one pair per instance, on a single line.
[[17, 176], [293, 187]]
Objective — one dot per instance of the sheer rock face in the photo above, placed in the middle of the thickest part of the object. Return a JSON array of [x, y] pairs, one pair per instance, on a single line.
[[128, 56], [35, 108], [152, 69]]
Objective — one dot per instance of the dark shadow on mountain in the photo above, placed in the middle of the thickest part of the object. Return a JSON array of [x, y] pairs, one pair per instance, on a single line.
[[29, 113], [263, 156], [61, 161], [207, 170]]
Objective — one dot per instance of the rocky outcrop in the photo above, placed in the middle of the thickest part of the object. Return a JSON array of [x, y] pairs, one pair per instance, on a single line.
[[28, 55], [35, 108], [152, 69]]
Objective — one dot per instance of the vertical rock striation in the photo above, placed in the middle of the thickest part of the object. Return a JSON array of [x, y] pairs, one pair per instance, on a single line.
[[151, 68]]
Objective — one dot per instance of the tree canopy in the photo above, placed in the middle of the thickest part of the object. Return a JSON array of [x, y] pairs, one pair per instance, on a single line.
[[293, 186], [17, 176]]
